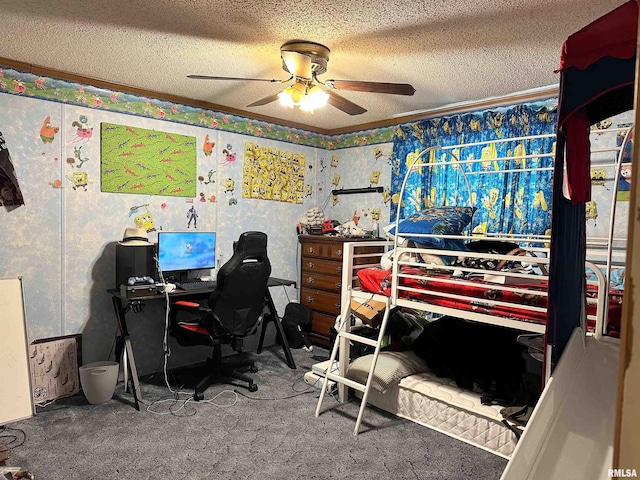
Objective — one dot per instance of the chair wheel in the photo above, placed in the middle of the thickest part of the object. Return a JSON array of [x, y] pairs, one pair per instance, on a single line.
[[253, 369], [253, 387]]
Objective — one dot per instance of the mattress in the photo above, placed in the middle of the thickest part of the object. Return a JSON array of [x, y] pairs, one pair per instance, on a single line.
[[439, 404]]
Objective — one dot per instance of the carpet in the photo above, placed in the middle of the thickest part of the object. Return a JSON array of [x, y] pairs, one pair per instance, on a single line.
[[268, 434]]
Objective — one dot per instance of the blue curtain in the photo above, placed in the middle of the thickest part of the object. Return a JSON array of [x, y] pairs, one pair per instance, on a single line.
[[517, 202]]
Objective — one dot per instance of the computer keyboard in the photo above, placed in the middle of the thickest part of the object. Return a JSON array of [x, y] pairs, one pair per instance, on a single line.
[[197, 284]]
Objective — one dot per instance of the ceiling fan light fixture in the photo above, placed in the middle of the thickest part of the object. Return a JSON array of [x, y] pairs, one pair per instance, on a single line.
[[304, 61], [293, 95], [305, 97], [315, 98]]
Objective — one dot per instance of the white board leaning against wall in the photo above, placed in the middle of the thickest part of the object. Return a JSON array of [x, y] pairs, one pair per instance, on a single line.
[[15, 379]]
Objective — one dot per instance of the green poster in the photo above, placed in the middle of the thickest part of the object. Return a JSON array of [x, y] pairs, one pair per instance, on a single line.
[[136, 160]]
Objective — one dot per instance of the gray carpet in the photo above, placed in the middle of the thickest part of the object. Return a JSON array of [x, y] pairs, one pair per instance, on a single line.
[[272, 435]]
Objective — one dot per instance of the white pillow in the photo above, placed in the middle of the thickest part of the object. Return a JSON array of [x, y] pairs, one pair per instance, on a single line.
[[431, 259], [386, 261], [391, 367]]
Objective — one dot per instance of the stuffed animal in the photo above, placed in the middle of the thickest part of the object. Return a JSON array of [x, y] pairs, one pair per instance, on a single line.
[[350, 229]]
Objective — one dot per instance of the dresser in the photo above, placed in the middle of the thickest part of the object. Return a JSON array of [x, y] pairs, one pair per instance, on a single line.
[[321, 280]]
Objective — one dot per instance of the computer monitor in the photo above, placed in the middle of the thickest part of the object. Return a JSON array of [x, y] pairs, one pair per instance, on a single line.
[[182, 252]]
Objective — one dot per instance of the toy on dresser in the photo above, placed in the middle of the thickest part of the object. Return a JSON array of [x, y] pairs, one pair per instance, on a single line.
[[312, 221]]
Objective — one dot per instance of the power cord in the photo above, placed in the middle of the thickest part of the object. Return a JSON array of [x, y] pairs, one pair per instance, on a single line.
[[182, 404], [5, 432], [274, 398]]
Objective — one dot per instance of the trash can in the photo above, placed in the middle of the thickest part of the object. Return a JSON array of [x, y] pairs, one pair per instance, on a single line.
[[99, 381]]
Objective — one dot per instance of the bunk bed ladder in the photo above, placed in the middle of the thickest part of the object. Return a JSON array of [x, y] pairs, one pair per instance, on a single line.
[[342, 341]]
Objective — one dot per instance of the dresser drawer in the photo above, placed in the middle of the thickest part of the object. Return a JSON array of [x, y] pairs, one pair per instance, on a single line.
[[324, 302], [318, 265], [321, 328], [322, 250], [315, 280]]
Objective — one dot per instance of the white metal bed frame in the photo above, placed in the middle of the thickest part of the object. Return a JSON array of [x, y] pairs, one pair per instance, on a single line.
[[396, 298]]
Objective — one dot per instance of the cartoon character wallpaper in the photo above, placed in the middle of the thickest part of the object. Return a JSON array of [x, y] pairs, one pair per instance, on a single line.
[[80, 180], [229, 155], [598, 176], [83, 133], [229, 185], [591, 210], [624, 183], [77, 156], [145, 221], [207, 146], [48, 131]]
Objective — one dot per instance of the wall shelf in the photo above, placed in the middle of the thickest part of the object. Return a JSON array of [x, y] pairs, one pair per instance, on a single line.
[[349, 191]]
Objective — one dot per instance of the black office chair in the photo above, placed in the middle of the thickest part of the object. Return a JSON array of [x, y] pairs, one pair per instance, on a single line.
[[234, 311]]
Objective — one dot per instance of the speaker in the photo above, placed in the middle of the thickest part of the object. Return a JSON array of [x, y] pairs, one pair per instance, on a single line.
[[134, 261]]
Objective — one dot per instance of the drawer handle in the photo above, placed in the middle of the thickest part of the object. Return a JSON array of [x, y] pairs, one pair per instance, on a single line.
[[309, 299], [311, 250], [310, 264], [339, 285], [339, 253], [337, 306], [339, 269], [310, 280]]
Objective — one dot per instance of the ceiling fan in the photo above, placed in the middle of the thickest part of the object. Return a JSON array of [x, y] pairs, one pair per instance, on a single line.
[[304, 61]]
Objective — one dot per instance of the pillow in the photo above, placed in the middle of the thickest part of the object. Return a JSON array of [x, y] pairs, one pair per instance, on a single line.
[[386, 261], [435, 221], [492, 246], [391, 367], [449, 244], [430, 259]]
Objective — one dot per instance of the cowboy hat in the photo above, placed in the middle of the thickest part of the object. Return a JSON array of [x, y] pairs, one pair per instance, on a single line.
[[135, 237]]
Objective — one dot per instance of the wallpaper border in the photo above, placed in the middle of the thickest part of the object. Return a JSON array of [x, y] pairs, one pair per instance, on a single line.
[[17, 82]]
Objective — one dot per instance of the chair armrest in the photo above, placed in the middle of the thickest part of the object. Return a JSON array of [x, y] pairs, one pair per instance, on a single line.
[[191, 307]]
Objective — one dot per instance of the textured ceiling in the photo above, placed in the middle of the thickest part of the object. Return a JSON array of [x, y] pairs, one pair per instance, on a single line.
[[449, 51]]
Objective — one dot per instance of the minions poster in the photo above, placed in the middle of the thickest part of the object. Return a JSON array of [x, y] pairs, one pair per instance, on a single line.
[[272, 174], [150, 162]]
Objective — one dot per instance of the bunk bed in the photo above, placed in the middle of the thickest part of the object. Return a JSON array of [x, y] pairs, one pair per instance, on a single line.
[[494, 279]]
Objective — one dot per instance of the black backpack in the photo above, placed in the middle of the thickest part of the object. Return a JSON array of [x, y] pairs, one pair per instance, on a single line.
[[296, 324]]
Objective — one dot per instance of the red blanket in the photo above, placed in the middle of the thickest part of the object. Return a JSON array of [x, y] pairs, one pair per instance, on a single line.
[[378, 281]]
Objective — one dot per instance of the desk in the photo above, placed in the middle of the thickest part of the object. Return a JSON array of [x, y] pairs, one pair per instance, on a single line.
[[122, 305]]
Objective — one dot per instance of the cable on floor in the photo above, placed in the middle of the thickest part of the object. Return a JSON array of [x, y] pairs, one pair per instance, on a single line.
[[274, 398], [15, 440], [182, 404]]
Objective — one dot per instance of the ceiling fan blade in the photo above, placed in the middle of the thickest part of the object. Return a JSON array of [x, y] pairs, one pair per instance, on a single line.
[[264, 101], [297, 64], [209, 77], [345, 105], [374, 87]]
